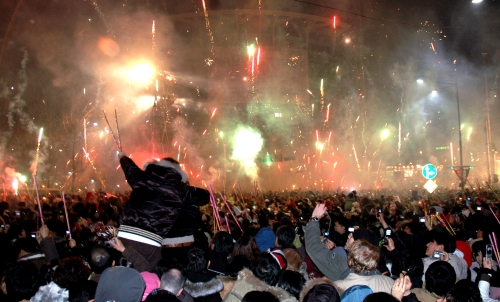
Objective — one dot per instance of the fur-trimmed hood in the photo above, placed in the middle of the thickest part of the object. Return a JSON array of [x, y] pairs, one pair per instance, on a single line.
[[248, 282], [167, 164], [202, 289], [312, 283]]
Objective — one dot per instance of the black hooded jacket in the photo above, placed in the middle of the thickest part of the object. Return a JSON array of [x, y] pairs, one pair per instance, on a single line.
[[158, 195]]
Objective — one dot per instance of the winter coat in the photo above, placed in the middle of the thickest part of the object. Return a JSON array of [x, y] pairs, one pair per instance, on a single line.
[[378, 283], [247, 282], [330, 264], [203, 287], [51, 292], [158, 195]]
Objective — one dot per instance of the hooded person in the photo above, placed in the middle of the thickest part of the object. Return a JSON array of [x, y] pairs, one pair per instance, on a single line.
[[162, 208], [120, 283]]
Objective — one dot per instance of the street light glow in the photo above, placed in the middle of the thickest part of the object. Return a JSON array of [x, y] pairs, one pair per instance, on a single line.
[[420, 81], [477, 1]]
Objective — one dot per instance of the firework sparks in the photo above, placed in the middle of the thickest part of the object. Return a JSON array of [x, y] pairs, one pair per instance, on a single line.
[[37, 151], [15, 185], [93, 166], [208, 61]]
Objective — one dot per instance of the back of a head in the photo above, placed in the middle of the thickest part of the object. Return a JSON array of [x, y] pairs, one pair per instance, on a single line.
[[82, 291], [259, 296], [173, 281], [263, 221], [444, 239], [356, 293], [21, 280], [165, 264], [292, 282], [239, 263], [71, 270], [223, 243], [197, 260], [363, 256], [285, 236], [100, 259], [293, 259], [463, 291], [322, 293], [380, 297], [120, 283], [440, 278], [267, 269]]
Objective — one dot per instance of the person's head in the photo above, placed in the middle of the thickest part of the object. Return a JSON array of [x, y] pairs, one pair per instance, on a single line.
[[285, 235], [462, 291], [246, 246], [293, 258], [380, 297], [21, 280], [341, 225], [441, 242], [239, 263], [267, 269], [120, 283], [197, 260], [70, 270], [173, 281], [82, 291], [100, 259], [323, 292], [440, 277], [259, 296], [292, 282], [263, 221], [479, 251], [223, 243], [363, 257]]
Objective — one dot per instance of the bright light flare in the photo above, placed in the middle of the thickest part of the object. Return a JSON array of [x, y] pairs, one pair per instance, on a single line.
[[251, 50], [385, 133], [142, 73], [247, 143], [15, 185], [420, 81]]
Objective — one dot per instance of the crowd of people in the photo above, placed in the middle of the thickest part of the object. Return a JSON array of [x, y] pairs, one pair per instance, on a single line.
[[165, 241]]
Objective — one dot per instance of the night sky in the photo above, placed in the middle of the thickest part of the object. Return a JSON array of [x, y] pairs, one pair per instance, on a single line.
[[62, 62]]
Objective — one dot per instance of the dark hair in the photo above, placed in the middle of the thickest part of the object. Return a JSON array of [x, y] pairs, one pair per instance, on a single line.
[[239, 263], [285, 235], [440, 277], [322, 293], [292, 282], [70, 270], [100, 259], [380, 297], [21, 280], [197, 260], [463, 291], [267, 269], [263, 221], [445, 240], [223, 243], [165, 264], [246, 246], [82, 291], [258, 296]]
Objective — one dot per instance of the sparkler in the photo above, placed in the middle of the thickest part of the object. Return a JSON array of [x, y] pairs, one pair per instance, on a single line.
[[35, 171], [111, 130], [66, 213], [118, 132], [35, 182], [231, 212], [214, 205], [85, 132], [93, 167], [207, 25]]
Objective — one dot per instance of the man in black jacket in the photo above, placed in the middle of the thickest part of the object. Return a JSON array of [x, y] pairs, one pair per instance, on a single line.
[[160, 194]]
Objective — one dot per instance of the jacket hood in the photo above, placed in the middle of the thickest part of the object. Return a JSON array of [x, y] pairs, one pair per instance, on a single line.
[[166, 164], [247, 278], [120, 283], [202, 289]]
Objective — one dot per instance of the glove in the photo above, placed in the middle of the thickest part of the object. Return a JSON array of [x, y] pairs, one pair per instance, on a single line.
[[120, 154]]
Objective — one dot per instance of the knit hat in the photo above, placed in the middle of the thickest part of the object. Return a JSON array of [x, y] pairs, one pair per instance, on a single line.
[[152, 283], [356, 293], [120, 283], [279, 256]]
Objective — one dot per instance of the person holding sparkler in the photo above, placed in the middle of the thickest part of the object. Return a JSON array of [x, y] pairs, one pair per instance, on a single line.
[[161, 209]]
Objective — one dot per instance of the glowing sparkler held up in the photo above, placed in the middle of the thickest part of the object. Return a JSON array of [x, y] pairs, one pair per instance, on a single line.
[[230, 211], [66, 213], [35, 182], [117, 142]]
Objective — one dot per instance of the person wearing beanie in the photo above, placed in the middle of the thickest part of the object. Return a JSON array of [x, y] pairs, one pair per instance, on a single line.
[[120, 283], [161, 195]]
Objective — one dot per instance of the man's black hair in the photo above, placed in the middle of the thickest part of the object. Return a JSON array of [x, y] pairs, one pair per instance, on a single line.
[[239, 263], [21, 280], [380, 297], [267, 269], [285, 235], [165, 264], [197, 260], [82, 291], [259, 296], [263, 221], [100, 259], [463, 291], [223, 243], [445, 240], [292, 282], [440, 278], [322, 292]]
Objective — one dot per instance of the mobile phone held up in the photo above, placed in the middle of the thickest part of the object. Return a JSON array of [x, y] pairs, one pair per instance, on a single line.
[[437, 255], [489, 251]]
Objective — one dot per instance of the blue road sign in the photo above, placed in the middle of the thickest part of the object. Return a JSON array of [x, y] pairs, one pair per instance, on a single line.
[[429, 171]]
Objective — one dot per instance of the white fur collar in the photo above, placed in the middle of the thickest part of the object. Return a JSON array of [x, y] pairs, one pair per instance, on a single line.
[[167, 164]]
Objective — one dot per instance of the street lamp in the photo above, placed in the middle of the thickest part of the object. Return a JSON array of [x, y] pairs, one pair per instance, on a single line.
[[461, 167]]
